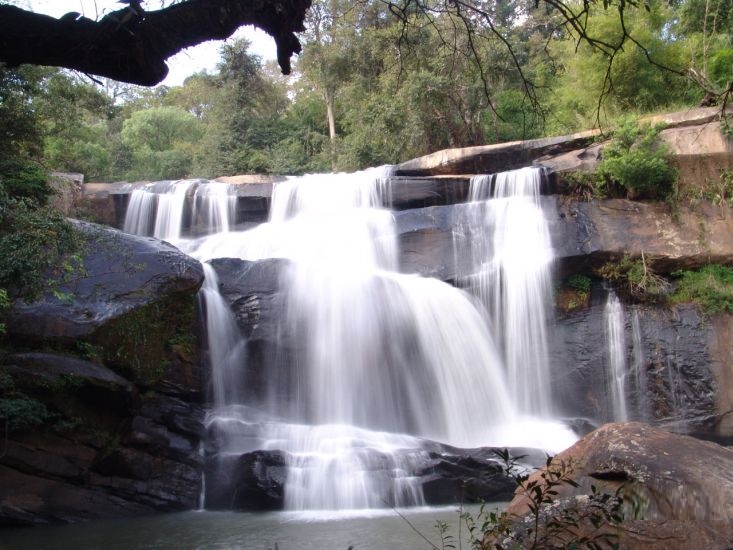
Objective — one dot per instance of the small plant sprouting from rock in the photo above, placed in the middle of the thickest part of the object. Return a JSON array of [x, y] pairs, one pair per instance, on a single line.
[[636, 278], [573, 292], [554, 522], [635, 162]]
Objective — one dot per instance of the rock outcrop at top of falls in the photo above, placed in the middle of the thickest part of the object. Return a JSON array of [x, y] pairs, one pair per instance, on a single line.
[[678, 490], [101, 388], [584, 234]]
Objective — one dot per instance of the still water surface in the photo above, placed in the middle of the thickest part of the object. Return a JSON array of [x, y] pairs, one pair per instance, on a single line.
[[380, 530]]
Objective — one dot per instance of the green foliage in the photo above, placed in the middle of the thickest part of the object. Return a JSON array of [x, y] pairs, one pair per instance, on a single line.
[[573, 293], [20, 412], [34, 242], [552, 522], [162, 141], [635, 278], [636, 162], [24, 179], [716, 191], [4, 305], [395, 88], [710, 287], [578, 282], [23, 413]]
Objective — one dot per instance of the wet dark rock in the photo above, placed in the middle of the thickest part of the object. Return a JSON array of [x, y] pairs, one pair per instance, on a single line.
[[256, 297], [253, 481], [466, 478], [94, 384], [253, 290], [670, 381], [406, 193]]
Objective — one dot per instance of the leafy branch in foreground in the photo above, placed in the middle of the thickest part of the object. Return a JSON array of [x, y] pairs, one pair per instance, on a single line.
[[587, 522]]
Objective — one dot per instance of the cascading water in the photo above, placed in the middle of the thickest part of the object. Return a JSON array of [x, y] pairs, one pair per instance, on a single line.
[[386, 359], [510, 272], [616, 346], [161, 209]]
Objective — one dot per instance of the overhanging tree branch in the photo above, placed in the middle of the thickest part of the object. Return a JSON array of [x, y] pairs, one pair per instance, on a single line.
[[132, 45]]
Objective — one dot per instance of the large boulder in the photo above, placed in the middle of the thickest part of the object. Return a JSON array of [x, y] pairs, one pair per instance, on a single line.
[[129, 300], [678, 490], [105, 421], [118, 274]]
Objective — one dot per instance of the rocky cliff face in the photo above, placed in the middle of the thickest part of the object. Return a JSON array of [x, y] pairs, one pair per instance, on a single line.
[[106, 420]]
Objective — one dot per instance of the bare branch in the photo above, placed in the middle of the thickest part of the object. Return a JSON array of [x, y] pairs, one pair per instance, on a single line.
[[132, 45]]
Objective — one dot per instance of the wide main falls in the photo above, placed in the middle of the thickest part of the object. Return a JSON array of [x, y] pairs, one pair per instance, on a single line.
[[383, 369]]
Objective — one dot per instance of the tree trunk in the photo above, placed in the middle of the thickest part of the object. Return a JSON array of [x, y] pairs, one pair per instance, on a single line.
[[331, 128]]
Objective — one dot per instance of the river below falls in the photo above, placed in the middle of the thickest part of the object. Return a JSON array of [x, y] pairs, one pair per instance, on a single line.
[[379, 530]]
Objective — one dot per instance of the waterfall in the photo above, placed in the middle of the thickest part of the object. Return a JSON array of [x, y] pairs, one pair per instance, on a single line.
[[225, 352], [616, 346], [386, 361], [163, 209], [511, 257], [639, 366]]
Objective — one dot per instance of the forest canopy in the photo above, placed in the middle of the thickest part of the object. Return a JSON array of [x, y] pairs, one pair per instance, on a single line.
[[376, 82]]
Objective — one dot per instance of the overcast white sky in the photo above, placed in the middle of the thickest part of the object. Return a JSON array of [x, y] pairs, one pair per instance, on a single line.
[[189, 61]]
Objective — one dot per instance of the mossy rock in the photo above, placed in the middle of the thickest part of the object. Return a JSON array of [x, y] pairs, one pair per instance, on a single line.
[[142, 344]]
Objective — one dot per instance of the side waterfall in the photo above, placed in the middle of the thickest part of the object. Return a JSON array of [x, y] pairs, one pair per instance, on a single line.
[[388, 359], [616, 345]]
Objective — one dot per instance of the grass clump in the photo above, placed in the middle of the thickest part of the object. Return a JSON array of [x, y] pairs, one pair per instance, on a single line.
[[635, 278], [573, 293], [710, 287], [635, 163]]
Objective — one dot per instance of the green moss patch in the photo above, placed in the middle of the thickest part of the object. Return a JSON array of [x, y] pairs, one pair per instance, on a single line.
[[141, 344]]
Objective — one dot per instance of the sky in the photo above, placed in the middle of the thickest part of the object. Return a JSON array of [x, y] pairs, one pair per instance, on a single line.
[[189, 61]]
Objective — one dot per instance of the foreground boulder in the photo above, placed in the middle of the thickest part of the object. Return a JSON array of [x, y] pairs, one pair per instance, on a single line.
[[678, 491]]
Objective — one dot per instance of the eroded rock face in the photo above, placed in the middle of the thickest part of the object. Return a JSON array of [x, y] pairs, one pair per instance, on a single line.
[[670, 379], [85, 443], [584, 234], [683, 487]]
